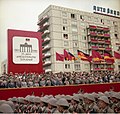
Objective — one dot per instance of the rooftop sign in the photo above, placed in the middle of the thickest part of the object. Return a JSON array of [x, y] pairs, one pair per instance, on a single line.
[[108, 11]]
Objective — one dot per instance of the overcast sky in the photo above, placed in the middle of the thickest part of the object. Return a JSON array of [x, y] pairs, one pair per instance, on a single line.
[[23, 14]]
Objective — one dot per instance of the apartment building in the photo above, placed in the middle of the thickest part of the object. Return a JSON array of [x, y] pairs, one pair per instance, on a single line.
[[71, 29]]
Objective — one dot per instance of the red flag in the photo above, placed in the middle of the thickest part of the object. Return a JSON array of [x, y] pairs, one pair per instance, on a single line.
[[116, 55], [66, 55], [59, 57], [108, 57], [83, 56], [96, 56]]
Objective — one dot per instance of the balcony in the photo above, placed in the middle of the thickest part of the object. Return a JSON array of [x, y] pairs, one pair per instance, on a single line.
[[44, 19], [106, 29], [45, 26], [97, 69], [46, 63], [96, 62], [92, 27], [46, 55], [93, 40], [93, 34], [107, 35], [107, 42], [101, 41], [108, 48], [94, 47], [100, 35], [99, 28], [46, 40], [110, 69], [101, 48], [46, 48], [45, 33]]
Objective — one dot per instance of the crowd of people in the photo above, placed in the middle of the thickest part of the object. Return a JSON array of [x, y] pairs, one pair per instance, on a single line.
[[107, 102], [19, 80]]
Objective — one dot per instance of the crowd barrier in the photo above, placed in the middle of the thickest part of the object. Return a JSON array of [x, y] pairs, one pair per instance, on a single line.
[[6, 93]]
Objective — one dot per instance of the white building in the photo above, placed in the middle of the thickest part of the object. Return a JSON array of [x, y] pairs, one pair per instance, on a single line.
[[64, 28]]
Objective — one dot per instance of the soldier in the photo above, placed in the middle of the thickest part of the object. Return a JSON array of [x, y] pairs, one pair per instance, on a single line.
[[75, 105], [90, 105], [15, 102], [115, 98], [11, 104], [37, 104], [5, 108], [52, 106], [44, 104], [103, 104], [30, 103], [62, 105], [20, 107]]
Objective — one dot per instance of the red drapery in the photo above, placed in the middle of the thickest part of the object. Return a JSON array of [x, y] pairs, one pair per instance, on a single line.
[[22, 92]]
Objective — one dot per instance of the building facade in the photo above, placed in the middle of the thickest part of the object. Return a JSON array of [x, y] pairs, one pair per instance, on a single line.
[[70, 29]]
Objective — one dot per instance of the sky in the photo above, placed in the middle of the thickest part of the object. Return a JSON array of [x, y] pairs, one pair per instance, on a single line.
[[23, 14]]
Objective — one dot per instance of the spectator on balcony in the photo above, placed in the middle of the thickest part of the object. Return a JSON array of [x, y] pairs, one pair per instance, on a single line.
[[11, 84], [30, 83], [24, 83]]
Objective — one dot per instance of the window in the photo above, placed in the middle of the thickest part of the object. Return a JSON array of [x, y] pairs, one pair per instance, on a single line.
[[74, 28], [86, 66], [118, 48], [75, 37], [81, 17], [73, 22], [84, 37], [77, 66], [83, 31], [65, 28], [65, 36], [116, 36], [67, 66], [64, 14], [66, 43], [75, 44], [64, 21], [73, 16], [84, 45]]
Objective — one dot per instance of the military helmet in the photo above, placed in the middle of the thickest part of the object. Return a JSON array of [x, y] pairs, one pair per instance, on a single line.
[[5, 108], [52, 101], [116, 95], [90, 97], [62, 102], [104, 98]]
